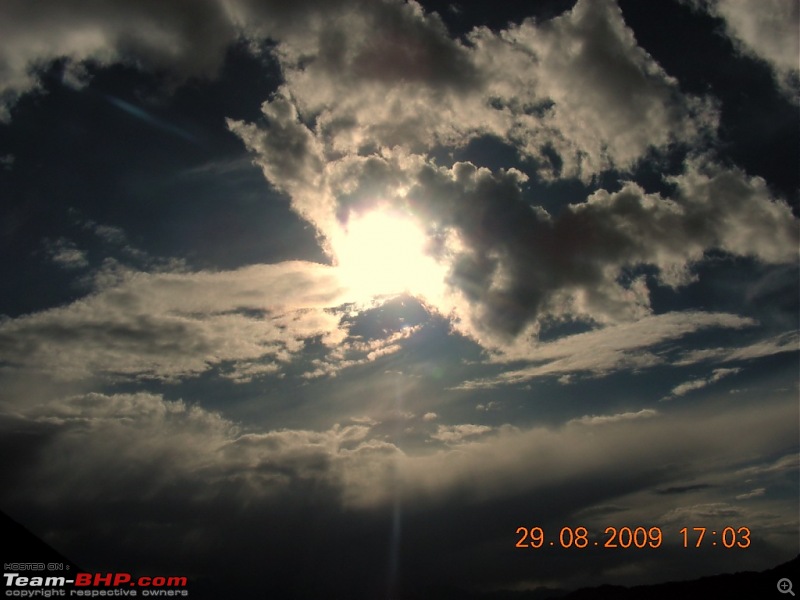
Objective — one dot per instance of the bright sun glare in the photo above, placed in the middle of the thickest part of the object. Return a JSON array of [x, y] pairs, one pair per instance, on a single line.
[[382, 252]]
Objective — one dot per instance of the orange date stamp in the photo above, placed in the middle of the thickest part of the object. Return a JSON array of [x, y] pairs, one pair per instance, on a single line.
[[633, 537]]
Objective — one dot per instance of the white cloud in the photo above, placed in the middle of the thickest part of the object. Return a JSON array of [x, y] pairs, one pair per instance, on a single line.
[[624, 445], [696, 384], [703, 513], [625, 346], [788, 463], [784, 342], [645, 413], [290, 157], [172, 325], [352, 353], [737, 212], [370, 72], [369, 421], [769, 30], [605, 100], [369, 78], [66, 254], [456, 434], [752, 494], [245, 372]]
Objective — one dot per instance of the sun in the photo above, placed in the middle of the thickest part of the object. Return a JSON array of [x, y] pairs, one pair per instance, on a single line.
[[384, 252]]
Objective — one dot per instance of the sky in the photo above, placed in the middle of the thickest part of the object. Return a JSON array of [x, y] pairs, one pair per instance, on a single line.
[[331, 297]]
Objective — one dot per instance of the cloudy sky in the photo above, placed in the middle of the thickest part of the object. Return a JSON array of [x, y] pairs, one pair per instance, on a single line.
[[333, 296]]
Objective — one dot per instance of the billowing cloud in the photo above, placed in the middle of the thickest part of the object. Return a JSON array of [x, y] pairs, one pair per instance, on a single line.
[[545, 74], [343, 133], [510, 264], [389, 75], [368, 74], [150, 35], [517, 264]]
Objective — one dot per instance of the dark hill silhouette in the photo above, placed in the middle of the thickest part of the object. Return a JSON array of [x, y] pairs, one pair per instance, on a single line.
[[22, 546], [746, 585]]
